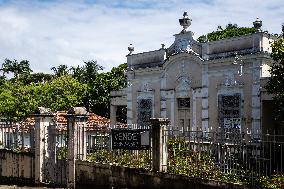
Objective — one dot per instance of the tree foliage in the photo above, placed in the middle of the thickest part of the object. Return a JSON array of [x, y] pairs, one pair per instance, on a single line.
[[60, 70], [275, 84], [62, 93], [66, 87], [35, 78], [231, 30], [103, 85], [15, 67], [18, 100], [98, 85]]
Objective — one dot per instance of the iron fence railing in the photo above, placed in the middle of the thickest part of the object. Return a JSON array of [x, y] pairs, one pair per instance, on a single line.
[[240, 157], [229, 155], [16, 137]]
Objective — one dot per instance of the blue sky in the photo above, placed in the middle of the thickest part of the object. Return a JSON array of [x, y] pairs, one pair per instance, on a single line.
[[53, 32]]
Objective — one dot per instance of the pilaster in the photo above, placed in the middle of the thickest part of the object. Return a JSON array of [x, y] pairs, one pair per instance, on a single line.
[[113, 109], [129, 104], [256, 113], [204, 96], [44, 149], [76, 127]]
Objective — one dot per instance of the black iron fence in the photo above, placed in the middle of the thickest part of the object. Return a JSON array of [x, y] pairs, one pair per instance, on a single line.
[[252, 158]]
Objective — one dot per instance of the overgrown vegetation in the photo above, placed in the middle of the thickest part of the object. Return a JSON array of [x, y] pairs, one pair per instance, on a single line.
[[231, 30], [137, 159], [195, 164], [61, 153], [185, 161]]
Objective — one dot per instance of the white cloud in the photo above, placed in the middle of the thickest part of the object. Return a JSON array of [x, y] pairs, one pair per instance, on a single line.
[[69, 32]]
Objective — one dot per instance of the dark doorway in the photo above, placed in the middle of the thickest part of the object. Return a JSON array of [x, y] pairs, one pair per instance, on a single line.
[[269, 124]]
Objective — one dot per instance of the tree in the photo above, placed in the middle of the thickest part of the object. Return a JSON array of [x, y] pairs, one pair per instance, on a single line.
[[15, 67], [60, 70], [62, 93], [91, 70], [18, 100], [2, 79], [275, 84], [103, 85], [35, 78], [231, 30], [78, 86], [87, 75], [77, 72]]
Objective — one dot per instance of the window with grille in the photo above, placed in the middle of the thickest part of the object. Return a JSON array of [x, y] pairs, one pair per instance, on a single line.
[[144, 111], [183, 103], [183, 114], [229, 107]]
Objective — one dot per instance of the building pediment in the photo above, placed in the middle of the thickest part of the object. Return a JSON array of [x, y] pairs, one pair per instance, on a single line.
[[183, 72], [187, 57], [184, 42]]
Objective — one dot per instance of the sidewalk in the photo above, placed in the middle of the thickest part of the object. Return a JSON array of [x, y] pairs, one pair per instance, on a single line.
[[20, 187]]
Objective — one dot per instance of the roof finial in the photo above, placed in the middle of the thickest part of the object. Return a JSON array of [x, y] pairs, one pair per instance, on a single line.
[[185, 22], [131, 49], [257, 24]]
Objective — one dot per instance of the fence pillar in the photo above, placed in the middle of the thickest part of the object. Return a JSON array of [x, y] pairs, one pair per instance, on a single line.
[[76, 125], [43, 117], [113, 110], [159, 142]]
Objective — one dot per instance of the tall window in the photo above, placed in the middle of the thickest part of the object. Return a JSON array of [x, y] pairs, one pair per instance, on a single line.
[[229, 107], [144, 111], [184, 114]]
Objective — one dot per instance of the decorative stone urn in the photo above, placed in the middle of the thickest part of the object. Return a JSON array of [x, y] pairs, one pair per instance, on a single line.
[[257, 24], [130, 49], [185, 22]]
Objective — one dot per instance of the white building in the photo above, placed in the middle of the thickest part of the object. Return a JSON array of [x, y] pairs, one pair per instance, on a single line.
[[200, 86]]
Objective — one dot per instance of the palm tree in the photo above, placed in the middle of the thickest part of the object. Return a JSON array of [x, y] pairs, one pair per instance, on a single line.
[[15, 67], [60, 70]]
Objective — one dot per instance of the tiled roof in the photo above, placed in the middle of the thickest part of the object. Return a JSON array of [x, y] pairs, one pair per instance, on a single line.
[[94, 122]]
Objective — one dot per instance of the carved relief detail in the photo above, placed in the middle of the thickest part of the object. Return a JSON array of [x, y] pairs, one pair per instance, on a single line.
[[184, 83], [183, 80], [182, 45], [145, 86], [230, 80]]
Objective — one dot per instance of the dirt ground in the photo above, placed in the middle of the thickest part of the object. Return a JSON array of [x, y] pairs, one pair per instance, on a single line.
[[20, 187]]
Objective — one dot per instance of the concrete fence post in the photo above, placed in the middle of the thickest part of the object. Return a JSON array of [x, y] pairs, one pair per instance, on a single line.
[[43, 118], [159, 142], [76, 127]]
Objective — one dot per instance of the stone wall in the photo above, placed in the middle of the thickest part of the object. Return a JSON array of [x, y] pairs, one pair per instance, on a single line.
[[16, 168], [89, 174]]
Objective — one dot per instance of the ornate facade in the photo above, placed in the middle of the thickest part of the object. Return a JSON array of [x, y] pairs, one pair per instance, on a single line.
[[200, 86]]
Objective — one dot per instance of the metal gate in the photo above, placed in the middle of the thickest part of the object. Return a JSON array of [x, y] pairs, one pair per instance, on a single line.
[[55, 155]]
